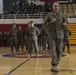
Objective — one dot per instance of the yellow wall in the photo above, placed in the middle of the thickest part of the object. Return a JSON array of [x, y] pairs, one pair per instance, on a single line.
[[72, 27]]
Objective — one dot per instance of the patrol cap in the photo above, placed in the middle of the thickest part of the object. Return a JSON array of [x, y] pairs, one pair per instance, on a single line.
[[14, 23], [31, 21]]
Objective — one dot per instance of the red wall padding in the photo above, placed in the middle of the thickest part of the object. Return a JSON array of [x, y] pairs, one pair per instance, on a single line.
[[7, 27]]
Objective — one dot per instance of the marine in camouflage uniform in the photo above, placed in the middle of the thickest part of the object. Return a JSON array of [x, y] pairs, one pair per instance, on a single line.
[[66, 40], [33, 32], [14, 40], [20, 36], [8, 39], [1, 38], [27, 36], [55, 21], [45, 34]]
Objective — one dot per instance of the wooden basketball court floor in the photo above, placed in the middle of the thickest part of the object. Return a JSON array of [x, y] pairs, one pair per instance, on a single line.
[[36, 66]]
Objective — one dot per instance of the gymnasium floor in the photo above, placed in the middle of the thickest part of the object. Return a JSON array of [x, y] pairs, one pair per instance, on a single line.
[[36, 66]]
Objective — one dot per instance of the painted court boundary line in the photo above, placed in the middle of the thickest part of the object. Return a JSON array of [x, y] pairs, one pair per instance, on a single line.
[[17, 67]]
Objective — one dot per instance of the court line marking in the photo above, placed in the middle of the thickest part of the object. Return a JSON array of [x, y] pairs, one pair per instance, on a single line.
[[71, 70], [17, 67], [39, 68]]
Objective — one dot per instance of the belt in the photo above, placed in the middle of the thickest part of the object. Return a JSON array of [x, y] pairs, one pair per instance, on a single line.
[[14, 36], [31, 35]]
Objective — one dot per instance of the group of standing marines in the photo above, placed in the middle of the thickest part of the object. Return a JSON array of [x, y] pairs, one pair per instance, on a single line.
[[56, 26], [16, 37], [30, 35]]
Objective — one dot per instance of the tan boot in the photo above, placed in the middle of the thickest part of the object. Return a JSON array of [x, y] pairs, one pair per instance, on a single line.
[[54, 69], [29, 56]]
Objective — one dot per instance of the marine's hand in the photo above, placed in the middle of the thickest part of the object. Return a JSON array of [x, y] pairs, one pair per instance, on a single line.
[[53, 20], [64, 23]]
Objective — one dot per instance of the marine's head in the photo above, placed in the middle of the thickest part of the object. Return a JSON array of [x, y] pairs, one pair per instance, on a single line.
[[55, 7]]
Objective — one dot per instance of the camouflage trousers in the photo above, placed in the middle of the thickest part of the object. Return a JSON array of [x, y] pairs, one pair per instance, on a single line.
[[20, 43], [32, 42], [27, 43], [66, 42], [45, 43], [56, 50], [14, 42]]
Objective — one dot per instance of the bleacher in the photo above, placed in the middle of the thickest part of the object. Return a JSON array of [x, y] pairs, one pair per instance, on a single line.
[[68, 9], [19, 7]]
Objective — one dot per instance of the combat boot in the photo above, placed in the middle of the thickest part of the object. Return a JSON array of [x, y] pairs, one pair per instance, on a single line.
[[26, 52], [69, 52], [37, 54], [29, 55], [54, 69]]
